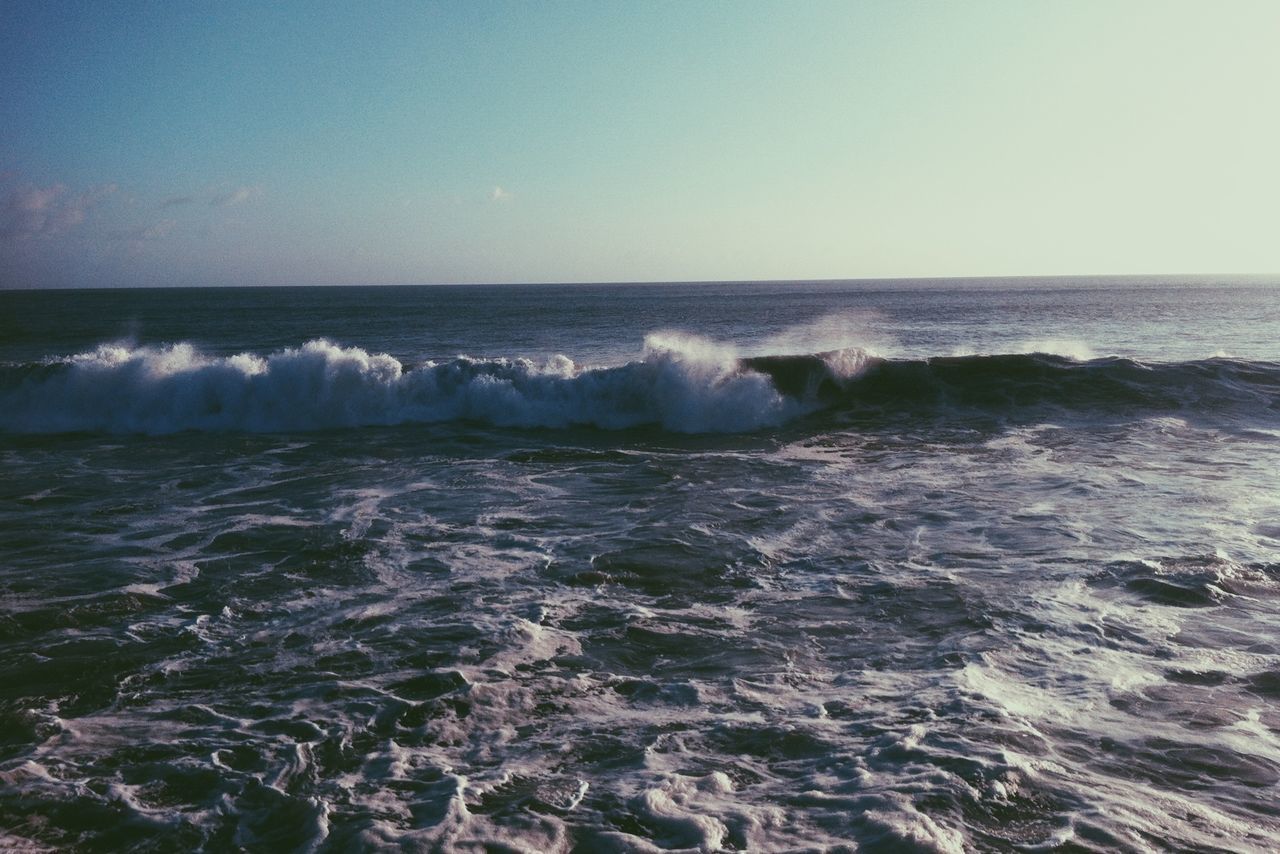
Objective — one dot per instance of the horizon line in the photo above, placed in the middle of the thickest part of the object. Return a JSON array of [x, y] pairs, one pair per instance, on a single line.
[[1193, 278]]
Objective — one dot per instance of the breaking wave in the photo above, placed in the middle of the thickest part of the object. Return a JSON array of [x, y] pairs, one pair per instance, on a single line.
[[681, 384]]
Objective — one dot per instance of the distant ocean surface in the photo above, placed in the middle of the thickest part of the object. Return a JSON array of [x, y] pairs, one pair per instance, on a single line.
[[854, 566]]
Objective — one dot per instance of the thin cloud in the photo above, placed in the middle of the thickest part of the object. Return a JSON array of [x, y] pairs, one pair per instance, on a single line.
[[154, 231], [500, 195], [34, 212], [238, 196], [138, 238]]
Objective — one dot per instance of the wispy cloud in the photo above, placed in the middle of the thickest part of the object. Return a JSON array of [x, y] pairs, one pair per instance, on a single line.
[[238, 196], [177, 201], [31, 212], [140, 236], [154, 231], [501, 195]]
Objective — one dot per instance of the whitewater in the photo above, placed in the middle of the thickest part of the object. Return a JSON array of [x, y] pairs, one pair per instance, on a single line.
[[846, 566], [682, 384]]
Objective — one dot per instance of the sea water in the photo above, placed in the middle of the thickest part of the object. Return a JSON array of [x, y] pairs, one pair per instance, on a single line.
[[883, 566]]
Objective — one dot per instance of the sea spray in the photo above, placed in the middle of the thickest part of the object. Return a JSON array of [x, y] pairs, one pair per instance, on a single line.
[[683, 385]]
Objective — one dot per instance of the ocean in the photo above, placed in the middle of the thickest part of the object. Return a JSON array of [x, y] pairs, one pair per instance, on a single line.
[[796, 566]]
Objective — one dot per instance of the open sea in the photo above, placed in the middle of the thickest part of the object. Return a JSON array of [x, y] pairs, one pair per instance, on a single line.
[[903, 566]]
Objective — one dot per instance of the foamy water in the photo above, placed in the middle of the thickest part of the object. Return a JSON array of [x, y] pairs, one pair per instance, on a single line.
[[689, 592]]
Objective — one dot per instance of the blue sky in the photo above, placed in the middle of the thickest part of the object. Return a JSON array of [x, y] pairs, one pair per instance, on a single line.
[[341, 143]]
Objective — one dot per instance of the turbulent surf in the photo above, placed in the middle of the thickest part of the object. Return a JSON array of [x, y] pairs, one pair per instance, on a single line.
[[682, 385], [832, 566]]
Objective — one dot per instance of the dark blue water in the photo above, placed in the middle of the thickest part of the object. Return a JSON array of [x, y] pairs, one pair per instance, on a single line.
[[889, 566]]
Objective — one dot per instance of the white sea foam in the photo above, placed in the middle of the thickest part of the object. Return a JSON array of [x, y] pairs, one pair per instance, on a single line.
[[682, 383]]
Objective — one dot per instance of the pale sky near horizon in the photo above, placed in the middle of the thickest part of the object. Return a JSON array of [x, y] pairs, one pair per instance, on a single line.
[[238, 143]]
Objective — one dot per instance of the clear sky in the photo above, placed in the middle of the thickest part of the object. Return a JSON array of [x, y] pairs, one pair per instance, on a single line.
[[228, 142]]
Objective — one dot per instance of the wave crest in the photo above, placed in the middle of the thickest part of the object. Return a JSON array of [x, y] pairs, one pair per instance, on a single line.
[[682, 384]]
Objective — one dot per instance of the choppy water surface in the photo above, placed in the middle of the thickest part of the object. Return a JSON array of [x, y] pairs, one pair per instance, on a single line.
[[918, 588]]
